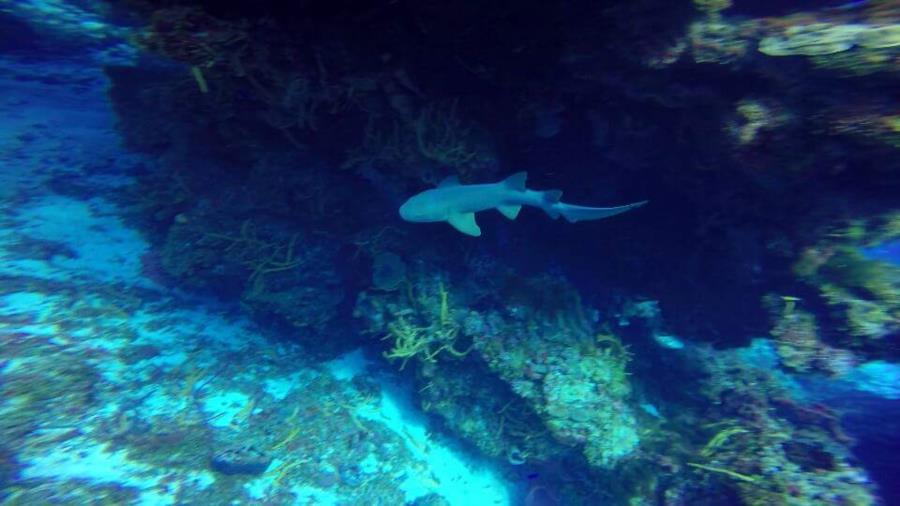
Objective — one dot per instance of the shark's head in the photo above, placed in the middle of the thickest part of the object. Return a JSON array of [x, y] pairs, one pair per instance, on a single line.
[[422, 208]]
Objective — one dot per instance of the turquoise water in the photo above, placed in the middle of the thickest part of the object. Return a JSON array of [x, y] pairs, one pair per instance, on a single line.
[[209, 297]]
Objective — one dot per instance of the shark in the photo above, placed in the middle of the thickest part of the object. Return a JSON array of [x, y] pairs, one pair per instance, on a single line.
[[457, 203]]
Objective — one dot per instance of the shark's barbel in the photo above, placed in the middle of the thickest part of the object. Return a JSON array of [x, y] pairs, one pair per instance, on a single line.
[[457, 203]]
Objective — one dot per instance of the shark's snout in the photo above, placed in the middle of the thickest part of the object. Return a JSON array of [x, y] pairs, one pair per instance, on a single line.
[[408, 212], [421, 209]]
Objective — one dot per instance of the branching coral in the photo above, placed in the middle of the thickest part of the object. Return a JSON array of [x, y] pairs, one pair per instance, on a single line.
[[290, 84], [437, 334], [720, 439], [260, 256], [444, 137], [727, 472], [440, 136], [189, 35]]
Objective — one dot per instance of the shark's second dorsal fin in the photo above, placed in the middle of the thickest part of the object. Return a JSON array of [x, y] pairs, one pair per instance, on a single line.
[[552, 196], [516, 181], [449, 181], [465, 223]]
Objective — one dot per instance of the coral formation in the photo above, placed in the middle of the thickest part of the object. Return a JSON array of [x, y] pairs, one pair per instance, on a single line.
[[863, 292], [260, 326], [545, 354], [812, 40], [754, 117]]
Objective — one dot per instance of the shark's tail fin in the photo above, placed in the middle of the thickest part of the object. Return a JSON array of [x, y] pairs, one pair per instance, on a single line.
[[581, 213]]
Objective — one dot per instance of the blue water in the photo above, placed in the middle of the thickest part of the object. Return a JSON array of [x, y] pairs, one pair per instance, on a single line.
[[888, 252], [208, 295]]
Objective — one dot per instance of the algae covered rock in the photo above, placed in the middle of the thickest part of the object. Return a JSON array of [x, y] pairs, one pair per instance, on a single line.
[[241, 460], [581, 411], [854, 48], [856, 273], [526, 380], [572, 375], [880, 37], [811, 40], [715, 41]]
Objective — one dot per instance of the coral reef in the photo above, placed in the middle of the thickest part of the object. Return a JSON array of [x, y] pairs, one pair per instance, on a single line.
[[862, 291], [288, 277], [549, 356], [771, 449], [261, 327]]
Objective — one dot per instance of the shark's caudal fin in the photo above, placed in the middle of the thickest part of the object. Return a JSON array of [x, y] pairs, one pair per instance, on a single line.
[[581, 213]]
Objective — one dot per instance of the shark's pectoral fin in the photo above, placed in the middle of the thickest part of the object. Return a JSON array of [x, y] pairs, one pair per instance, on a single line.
[[509, 211], [465, 223]]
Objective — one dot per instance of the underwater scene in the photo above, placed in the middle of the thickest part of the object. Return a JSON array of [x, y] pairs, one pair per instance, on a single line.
[[450, 252]]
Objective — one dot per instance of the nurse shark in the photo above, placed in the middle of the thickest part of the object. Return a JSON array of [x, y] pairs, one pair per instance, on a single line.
[[457, 203]]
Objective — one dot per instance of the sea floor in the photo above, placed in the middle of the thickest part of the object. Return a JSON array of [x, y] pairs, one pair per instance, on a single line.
[[120, 390]]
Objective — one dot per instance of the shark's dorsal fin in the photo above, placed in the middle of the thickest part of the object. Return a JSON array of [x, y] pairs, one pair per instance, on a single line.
[[465, 223], [509, 211], [449, 181], [516, 181], [552, 196]]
